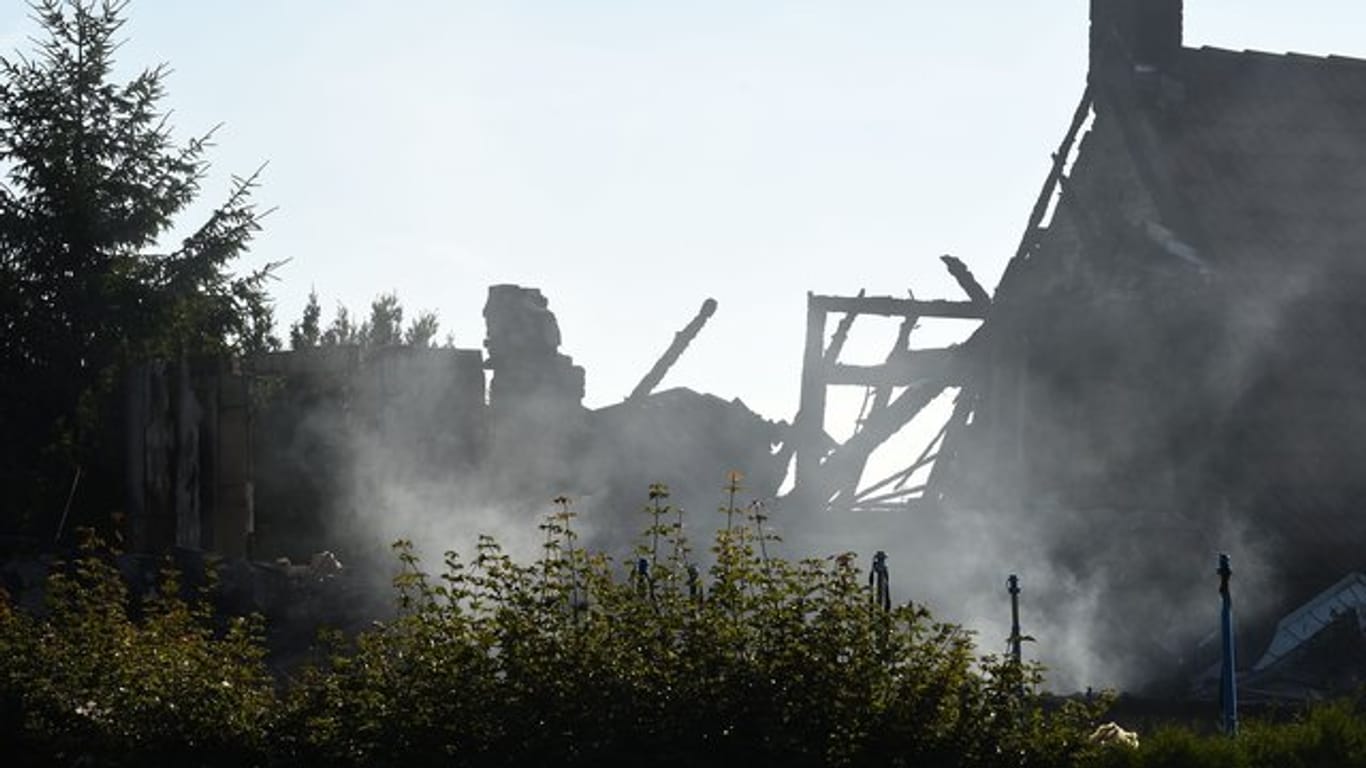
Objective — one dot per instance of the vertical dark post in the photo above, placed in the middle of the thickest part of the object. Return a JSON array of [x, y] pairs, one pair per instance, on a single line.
[[880, 581], [1013, 585], [811, 413], [643, 586], [1228, 682]]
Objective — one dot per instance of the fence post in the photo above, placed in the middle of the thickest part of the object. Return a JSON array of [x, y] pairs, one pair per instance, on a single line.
[[1228, 671], [1013, 585]]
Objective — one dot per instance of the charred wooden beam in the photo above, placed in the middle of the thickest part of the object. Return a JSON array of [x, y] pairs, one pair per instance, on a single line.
[[680, 344], [840, 470], [903, 494], [1055, 175], [888, 306], [809, 424], [926, 458], [902, 370], [832, 353], [967, 281], [900, 348], [941, 474]]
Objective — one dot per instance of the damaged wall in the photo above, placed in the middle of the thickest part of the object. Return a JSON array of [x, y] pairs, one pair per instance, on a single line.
[[347, 448], [187, 450]]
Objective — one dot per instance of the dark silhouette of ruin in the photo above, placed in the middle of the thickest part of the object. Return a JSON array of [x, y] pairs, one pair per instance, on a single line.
[[281, 454], [1172, 362], [1170, 366]]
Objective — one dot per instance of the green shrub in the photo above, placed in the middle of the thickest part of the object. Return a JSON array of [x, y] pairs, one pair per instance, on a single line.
[[575, 660], [572, 659], [85, 679]]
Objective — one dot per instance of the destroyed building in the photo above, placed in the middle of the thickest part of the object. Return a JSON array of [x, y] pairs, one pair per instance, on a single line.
[[346, 448], [1182, 335], [1168, 368], [1171, 364], [1174, 359]]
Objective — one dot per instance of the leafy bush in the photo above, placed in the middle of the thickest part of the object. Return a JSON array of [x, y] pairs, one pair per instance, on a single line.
[[569, 660], [87, 679]]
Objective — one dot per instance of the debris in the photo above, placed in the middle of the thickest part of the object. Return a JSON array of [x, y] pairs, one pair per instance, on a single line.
[[680, 344], [1113, 735]]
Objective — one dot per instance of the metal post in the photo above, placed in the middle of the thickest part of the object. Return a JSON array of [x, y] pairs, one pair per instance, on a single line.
[[643, 586], [880, 582], [1228, 682], [1013, 585]]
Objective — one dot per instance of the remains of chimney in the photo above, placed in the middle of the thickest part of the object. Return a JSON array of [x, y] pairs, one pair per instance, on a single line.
[[1135, 36]]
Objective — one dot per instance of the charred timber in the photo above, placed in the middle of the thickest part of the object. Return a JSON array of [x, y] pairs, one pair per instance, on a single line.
[[967, 281], [840, 471], [1055, 175], [680, 344], [906, 368], [887, 306], [837, 342]]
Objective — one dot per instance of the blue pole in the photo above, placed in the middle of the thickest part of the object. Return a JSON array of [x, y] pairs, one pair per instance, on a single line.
[[1228, 681]]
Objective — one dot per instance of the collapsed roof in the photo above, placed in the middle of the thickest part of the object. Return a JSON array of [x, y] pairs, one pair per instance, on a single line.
[[1170, 365]]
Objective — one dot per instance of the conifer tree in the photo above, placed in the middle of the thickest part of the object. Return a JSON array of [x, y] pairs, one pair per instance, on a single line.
[[307, 332], [92, 183]]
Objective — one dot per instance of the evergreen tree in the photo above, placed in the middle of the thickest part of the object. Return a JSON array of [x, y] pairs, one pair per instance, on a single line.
[[307, 332], [422, 333], [93, 181], [385, 326], [341, 332]]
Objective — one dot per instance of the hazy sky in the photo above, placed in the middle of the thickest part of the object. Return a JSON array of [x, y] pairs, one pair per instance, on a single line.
[[632, 159]]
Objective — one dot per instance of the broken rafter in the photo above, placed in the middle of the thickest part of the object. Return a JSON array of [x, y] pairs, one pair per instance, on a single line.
[[676, 349], [884, 507], [832, 353], [926, 457], [953, 429], [1055, 175], [888, 306], [967, 282], [824, 474], [900, 348], [840, 470], [906, 369], [905, 494]]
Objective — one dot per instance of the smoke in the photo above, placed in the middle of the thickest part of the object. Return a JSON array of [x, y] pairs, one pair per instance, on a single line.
[[1149, 409], [412, 455]]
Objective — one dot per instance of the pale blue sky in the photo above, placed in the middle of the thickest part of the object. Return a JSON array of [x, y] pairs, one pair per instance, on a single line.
[[631, 159]]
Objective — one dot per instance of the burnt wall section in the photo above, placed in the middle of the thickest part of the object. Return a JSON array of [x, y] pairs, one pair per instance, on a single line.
[[270, 457], [347, 448], [187, 467]]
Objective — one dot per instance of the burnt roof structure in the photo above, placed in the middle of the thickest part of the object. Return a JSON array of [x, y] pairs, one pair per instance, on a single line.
[[1172, 365]]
